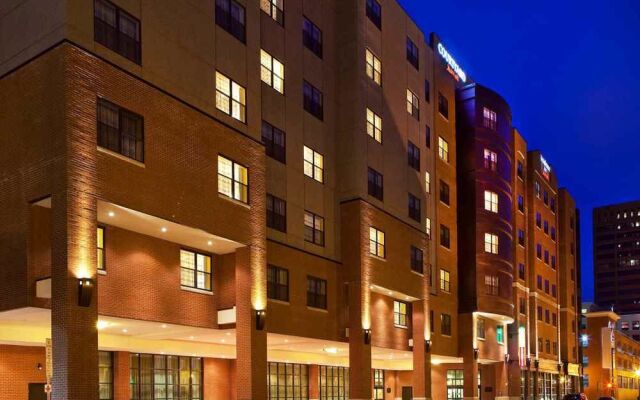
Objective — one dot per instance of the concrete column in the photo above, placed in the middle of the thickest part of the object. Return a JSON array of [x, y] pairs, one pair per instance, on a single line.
[[251, 343], [470, 370], [421, 358], [121, 375], [314, 382]]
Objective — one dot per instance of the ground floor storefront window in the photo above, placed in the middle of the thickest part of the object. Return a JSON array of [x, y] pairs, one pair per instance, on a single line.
[[547, 386], [334, 383], [455, 384], [105, 375], [288, 381], [155, 377], [378, 384]]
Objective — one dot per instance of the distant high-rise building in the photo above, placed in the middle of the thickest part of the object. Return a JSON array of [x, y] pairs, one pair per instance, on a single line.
[[616, 256]]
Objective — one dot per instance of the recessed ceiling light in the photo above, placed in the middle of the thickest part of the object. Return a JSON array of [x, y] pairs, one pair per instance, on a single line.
[[163, 325], [228, 333], [223, 341], [125, 330], [331, 350], [163, 229], [286, 340], [192, 337], [111, 214], [101, 324], [209, 242]]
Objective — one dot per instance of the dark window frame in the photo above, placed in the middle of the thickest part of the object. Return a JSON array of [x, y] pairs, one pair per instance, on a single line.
[[315, 296], [118, 41], [417, 260], [228, 21], [413, 53], [110, 375], [107, 133], [445, 324], [277, 15], [445, 193], [415, 207], [374, 12], [196, 271], [445, 236], [375, 184], [313, 100], [277, 290], [275, 142], [443, 106], [275, 219], [312, 37], [137, 385], [317, 235]]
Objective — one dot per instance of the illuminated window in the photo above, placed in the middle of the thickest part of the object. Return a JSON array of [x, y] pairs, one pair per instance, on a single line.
[[500, 334], [105, 375], [480, 328], [490, 160], [378, 384], [413, 156], [271, 71], [334, 383], [427, 182], [490, 201], [445, 283], [312, 37], [177, 376], [230, 97], [230, 16], [374, 67], [443, 149], [399, 313], [316, 292], [417, 260], [312, 100], [100, 248], [233, 180], [313, 164], [375, 184], [117, 30], [288, 381], [374, 125], [413, 104], [413, 54], [313, 228], [445, 324], [455, 384], [195, 270], [120, 130], [428, 227], [273, 8], [277, 283], [491, 243], [489, 118], [492, 285], [376, 242]]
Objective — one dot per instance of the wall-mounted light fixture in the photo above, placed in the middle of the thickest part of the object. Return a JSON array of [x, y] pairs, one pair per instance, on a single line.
[[39, 367], [85, 291], [261, 318], [427, 346], [528, 362], [536, 363], [476, 352], [507, 357], [367, 336]]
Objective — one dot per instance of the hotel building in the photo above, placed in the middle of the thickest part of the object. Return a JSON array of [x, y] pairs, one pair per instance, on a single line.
[[228, 199]]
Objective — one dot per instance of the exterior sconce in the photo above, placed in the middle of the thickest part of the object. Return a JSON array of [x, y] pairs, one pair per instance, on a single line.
[[560, 368], [367, 336], [261, 318], [39, 367], [476, 352], [537, 363], [507, 358], [427, 346], [528, 362], [85, 292]]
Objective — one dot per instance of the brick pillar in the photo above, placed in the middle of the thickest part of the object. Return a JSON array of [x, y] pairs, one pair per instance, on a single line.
[[467, 326], [501, 385], [515, 389], [314, 382], [421, 358], [251, 343], [121, 375], [73, 250], [359, 352]]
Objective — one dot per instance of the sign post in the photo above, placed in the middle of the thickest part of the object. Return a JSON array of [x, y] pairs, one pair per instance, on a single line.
[[48, 367]]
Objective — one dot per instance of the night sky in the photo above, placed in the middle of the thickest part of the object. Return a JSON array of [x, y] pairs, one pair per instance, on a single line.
[[568, 68]]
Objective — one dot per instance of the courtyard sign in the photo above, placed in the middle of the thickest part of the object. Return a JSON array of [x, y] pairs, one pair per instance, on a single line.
[[452, 66]]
